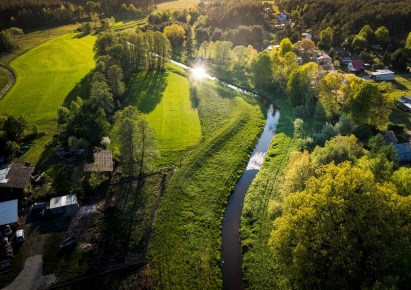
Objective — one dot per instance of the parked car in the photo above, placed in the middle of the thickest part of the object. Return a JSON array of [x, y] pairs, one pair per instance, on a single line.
[[7, 231], [39, 209], [68, 243], [20, 236]]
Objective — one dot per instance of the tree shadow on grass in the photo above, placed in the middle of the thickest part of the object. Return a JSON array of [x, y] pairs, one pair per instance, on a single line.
[[82, 89], [145, 90]]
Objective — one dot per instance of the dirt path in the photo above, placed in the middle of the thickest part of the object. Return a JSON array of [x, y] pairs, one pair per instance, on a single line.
[[12, 80], [31, 277]]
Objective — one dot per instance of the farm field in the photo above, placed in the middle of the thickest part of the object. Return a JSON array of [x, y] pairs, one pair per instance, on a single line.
[[164, 99], [185, 249], [176, 4], [45, 76], [257, 216]]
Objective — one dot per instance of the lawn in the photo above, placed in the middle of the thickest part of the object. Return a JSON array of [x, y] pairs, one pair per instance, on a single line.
[[256, 222], [176, 4], [402, 85], [185, 249], [45, 76], [164, 98]]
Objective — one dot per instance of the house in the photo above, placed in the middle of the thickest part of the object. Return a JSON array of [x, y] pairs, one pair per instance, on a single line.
[[404, 103], [103, 162], [63, 204], [14, 179], [325, 62], [356, 65], [383, 75], [342, 54], [307, 35], [403, 151], [9, 212], [282, 17]]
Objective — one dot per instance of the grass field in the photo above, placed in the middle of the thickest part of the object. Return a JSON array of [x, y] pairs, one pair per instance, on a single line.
[[176, 4], [256, 223], [45, 76], [185, 250], [164, 98]]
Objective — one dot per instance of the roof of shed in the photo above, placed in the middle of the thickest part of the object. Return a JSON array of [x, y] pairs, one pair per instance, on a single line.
[[15, 175], [8, 210], [103, 162]]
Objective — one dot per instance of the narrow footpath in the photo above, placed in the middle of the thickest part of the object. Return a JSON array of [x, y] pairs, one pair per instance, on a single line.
[[12, 80]]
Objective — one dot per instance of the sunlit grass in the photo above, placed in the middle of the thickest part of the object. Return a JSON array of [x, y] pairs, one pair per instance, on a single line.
[[45, 76], [176, 4]]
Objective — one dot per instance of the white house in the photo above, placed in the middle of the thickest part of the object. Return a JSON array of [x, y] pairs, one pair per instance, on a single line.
[[383, 75]]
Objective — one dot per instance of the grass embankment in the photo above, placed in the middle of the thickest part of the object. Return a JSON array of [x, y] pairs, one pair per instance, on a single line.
[[256, 222], [164, 99], [402, 85], [185, 250], [45, 76]]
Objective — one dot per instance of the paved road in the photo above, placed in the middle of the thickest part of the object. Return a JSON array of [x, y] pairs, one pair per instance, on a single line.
[[12, 79]]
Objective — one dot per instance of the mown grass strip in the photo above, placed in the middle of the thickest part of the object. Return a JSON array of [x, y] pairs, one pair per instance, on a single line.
[[258, 264], [185, 249]]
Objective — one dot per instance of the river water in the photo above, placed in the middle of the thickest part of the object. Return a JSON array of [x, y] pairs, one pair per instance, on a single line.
[[231, 258]]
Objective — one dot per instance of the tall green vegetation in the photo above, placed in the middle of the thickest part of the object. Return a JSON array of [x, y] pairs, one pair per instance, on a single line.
[[138, 146]]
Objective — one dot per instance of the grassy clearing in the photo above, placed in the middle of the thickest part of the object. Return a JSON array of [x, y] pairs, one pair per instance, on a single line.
[[176, 4], [258, 264], [185, 250], [402, 85], [129, 23], [45, 76], [164, 98]]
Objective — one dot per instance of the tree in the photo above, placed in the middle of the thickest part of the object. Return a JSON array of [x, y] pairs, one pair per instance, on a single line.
[[359, 43], [138, 147], [343, 231], [331, 94], [176, 34], [408, 43], [382, 35], [367, 33], [285, 46], [338, 149], [222, 53], [369, 105], [401, 178], [115, 79], [262, 70], [326, 38], [307, 45], [302, 85]]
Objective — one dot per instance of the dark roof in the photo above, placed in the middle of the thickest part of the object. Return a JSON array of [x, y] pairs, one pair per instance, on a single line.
[[406, 99], [389, 137], [358, 65], [103, 162], [17, 175]]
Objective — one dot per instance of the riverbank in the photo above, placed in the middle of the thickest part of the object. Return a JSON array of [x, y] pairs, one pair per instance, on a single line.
[[260, 204]]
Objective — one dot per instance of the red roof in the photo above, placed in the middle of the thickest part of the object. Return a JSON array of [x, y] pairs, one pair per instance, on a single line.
[[358, 65]]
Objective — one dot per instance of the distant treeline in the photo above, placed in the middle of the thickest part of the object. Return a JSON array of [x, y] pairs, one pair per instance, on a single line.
[[35, 13], [351, 15]]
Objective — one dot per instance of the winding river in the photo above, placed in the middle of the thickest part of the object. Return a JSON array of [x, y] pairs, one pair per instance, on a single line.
[[231, 258]]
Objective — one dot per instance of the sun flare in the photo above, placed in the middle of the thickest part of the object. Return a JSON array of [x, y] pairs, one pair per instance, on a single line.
[[199, 73]]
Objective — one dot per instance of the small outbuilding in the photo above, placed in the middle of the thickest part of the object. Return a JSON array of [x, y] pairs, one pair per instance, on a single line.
[[63, 204], [383, 75], [103, 162], [404, 103], [8, 212], [14, 179], [356, 65], [403, 151]]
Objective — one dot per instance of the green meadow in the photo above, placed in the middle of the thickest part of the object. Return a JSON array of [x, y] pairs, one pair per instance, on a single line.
[[45, 75], [4, 78], [164, 100]]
